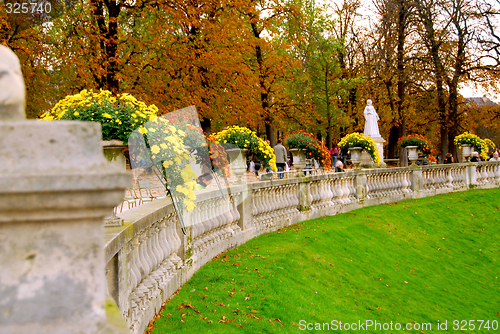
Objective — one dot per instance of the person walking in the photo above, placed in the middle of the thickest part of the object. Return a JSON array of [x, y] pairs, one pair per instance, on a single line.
[[281, 157], [344, 152], [334, 152]]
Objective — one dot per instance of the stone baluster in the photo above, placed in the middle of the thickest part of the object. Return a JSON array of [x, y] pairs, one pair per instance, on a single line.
[[377, 185], [312, 192], [454, 176], [268, 204], [235, 198], [275, 205], [256, 202], [167, 249], [425, 181], [436, 178], [255, 211], [339, 191], [205, 222], [386, 185], [379, 188], [393, 184], [406, 182], [227, 212], [145, 268], [282, 199], [152, 247], [176, 241], [491, 173], [217, 220], [150, 257], [345, 189], [443, 178], [430, 180], [399, 183], [288, 198], [486, 175], [137, 290], [462, 178], [369, 186], [156, 246], [352, 183]]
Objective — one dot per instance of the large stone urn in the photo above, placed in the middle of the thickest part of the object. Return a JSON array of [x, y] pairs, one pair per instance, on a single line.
[[355, 156], [299, 159], [466, 151], [113, 151], [238, 163], [412, 154]]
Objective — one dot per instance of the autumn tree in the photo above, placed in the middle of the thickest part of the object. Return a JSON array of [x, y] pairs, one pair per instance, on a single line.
[[321, 86], [391, 68], [448, 34]]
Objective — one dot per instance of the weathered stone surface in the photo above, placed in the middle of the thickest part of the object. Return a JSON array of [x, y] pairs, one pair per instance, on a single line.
[[55, 188]]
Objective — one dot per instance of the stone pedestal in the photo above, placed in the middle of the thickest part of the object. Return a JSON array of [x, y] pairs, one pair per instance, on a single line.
[[55, 188]]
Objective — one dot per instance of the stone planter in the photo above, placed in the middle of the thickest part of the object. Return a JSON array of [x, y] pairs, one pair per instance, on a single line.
[[355, 156], [466, 151], [237, 159], [412, 154], [299, 159], [112, 150]]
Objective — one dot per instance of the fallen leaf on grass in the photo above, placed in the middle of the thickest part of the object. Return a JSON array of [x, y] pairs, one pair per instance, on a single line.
[[253, 316], [182, 306]]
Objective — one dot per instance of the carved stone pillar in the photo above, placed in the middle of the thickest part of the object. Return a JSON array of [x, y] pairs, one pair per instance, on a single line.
[[416, 179], [245, 207], [305, 194], [361, 191], [55, 189]]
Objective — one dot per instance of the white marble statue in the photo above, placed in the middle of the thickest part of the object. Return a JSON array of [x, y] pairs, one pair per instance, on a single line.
[[12, 92], [371, 117]]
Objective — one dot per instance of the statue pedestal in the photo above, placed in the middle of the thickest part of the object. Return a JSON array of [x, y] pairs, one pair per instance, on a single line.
[[366, 159]]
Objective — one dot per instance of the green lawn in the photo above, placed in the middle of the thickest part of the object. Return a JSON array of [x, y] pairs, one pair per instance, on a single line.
[[424, 261]]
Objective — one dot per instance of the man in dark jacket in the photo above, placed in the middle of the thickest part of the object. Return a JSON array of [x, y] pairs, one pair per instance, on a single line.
[[280, 152]]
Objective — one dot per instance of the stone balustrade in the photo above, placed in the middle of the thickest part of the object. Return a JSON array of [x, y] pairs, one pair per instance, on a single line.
[[149, 257], [441, 178]]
